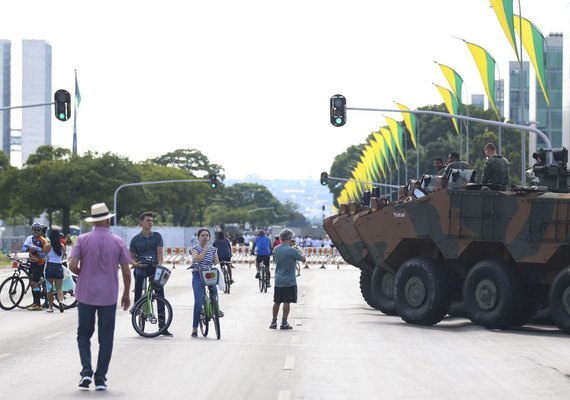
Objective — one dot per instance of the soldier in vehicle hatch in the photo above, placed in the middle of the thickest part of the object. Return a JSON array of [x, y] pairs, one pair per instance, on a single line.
[[496, 168], [453, 162]]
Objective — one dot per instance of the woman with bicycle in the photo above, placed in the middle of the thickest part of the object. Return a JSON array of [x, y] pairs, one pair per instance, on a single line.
[[203, 256], [54, 269]]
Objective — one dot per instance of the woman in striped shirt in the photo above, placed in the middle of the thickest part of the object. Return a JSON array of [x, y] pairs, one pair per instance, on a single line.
[[203, 256]]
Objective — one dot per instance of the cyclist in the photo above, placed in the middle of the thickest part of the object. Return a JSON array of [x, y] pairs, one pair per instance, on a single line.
[[203, 256], [224, 250], [263, 245], [147, 244], [35, 245]]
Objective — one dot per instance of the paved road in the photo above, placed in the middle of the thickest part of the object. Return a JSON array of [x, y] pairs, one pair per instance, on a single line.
[[338, 349]]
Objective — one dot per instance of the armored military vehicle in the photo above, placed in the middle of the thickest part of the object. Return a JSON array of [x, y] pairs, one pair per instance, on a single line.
[[502, 253]]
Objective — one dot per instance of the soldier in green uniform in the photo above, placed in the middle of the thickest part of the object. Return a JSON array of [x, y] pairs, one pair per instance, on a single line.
[[496, 169]]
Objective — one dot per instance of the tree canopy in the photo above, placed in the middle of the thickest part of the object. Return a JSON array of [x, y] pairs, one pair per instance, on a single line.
[[66, 186]]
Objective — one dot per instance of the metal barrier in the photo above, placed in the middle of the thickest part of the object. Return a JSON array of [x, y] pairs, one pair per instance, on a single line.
[[241, 254]]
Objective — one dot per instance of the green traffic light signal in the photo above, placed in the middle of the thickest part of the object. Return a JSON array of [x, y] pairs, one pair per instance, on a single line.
[[62, 104], [213, 181]]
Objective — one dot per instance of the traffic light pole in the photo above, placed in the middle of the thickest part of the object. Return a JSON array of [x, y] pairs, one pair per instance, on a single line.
[[147, 183], [27, 106], [334, 178]]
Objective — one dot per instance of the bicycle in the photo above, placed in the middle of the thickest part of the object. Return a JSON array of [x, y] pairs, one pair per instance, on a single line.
[[225, 266], [263, 276], [211, 307], [16, 288], [13, 288], [152, 313]]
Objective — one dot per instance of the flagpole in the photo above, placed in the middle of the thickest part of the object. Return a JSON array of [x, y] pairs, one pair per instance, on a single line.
[[74, 148], [521, 83]]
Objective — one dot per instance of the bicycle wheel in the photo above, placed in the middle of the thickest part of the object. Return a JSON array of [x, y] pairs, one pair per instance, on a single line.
[[227, 279], [264, 279], [155, 320], [261, 278], [204, 320], [216, 315], [11, 292], [69, 300], [27, 298]]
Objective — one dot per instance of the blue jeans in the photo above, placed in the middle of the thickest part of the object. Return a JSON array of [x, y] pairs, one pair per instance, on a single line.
[[105, 331], [199, 290]]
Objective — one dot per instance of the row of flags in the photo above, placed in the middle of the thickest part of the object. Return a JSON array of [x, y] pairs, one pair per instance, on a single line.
[[376, 158]]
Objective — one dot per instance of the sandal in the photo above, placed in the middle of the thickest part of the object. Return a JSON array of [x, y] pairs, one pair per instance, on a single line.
[[273, 325], [285, 326]]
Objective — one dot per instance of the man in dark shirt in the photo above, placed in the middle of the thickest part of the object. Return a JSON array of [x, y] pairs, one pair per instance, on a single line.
[[147, 244]]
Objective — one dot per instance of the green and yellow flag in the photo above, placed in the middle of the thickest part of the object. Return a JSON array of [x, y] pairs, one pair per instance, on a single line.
[[382, 148], [455, 83], [451, 104], [378, 152], [504, 11], [397, 134], [389, 140], [411, 123], [486, 65], [533, 42]]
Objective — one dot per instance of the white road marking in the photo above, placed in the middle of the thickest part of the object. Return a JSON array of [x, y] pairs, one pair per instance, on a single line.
[[284, 395], [295, 339], [4, 355], [289, 362]]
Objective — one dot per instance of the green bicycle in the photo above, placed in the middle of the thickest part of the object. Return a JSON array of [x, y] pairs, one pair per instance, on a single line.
[[152, 313], [211, 307]]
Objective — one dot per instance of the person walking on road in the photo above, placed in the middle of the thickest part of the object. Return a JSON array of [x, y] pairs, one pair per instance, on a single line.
[[147, 244], [95, 258], [285, 290]]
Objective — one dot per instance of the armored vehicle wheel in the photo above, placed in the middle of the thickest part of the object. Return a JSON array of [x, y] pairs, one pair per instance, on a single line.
[[493, 294], [366, 288], [560, 301], [422, 291], [383, 291]]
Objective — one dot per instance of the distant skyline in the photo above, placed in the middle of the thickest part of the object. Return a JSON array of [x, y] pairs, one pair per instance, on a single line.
[[247, 83]]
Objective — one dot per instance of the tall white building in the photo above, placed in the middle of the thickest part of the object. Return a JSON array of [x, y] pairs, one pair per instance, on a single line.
[[36, 89], [5, 59]]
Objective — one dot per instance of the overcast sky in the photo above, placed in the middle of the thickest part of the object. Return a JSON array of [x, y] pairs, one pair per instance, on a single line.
[[248, 82]]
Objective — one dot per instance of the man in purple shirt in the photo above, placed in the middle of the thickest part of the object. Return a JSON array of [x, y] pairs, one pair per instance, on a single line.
[[94, 258]]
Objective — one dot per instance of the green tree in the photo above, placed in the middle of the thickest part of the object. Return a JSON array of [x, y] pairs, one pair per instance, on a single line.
[[190, 160]]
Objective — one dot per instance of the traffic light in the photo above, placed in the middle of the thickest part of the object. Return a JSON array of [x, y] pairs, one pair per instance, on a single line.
[[62, 100], [338, 110], [213, 181], [324, 178]]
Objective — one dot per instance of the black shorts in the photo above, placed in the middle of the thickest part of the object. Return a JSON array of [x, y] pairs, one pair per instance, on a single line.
[[262, 259], [54, 271], [285, 294], [37, 271]]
